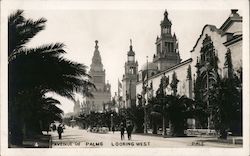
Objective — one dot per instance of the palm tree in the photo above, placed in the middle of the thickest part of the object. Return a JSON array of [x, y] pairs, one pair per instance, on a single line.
[[226, 101], [136, 114], [159, 104], [201, 113], [174, 84], [21, 30], [180, 109], [177, 109], [48, 113], [156, 113], [33, 72]]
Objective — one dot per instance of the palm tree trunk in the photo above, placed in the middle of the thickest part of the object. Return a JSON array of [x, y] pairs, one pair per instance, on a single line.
[[163, 125], [16, 130], [154, 126], [171, 127]]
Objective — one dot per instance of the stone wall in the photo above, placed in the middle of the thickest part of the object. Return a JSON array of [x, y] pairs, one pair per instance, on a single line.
[[181, 73], [236, 53]]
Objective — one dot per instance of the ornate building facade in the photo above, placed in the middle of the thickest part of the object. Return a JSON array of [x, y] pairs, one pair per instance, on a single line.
[[102, 92], [213, 42], [167, 52], [129, 79]]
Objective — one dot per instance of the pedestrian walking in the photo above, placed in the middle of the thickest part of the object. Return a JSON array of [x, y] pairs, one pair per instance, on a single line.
[[113, 129], [122, 129], [129, 130], [53, 127], [60, 131]]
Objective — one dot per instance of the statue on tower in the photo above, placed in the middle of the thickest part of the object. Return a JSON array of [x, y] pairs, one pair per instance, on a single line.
[[96, 44]]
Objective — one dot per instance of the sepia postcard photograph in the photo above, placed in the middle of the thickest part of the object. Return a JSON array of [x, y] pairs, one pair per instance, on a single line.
[[124, 77]]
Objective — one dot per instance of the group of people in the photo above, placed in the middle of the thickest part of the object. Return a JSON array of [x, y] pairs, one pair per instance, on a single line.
[[59, 129], [129, 129]]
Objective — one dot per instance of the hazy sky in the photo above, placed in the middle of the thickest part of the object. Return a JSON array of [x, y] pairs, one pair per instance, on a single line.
[[78, 29]]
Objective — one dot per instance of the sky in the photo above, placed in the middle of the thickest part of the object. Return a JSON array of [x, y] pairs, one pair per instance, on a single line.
[[78, 29]]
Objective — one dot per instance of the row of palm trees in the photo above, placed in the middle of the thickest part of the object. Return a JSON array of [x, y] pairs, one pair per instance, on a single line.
[[172, 109], [224, 94], [97, 119], [34, 72]]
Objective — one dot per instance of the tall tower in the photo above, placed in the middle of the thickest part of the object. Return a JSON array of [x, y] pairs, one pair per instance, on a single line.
[[167, 52], [130, 78], [102, 93], [96, 69]]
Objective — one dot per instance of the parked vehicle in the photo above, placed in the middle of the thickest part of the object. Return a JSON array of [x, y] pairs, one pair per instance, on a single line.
[[98, 129]]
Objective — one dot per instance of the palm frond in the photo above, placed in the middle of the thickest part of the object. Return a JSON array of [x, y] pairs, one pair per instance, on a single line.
[[21, 30], [47, 50], [16, 17], [28, 29], [52, 101]]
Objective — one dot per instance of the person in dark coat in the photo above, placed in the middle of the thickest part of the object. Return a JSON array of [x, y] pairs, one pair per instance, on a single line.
[[129, 130], [60, 131], [113, 129], [53, 127], [122, 129]]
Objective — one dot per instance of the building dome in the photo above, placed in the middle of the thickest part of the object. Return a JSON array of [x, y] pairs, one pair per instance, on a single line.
[[149, 66], [152, 70], [166, 21], [131, 53]]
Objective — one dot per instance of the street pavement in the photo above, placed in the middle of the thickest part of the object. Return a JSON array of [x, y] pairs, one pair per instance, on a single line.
[[78, 138]]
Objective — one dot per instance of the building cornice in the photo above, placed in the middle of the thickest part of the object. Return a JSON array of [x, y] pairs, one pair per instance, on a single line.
[[234, 40], [169, 69], [229, 22]]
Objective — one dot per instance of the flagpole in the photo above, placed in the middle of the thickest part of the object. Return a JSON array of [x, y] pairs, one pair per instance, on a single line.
[[147, 79], [145, 111], [118, 91], [130, 102], [118, 88]]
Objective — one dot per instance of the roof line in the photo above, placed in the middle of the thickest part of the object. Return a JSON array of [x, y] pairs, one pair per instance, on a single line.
[[169, 69], [229, 21], [234, 40], [213, 28]]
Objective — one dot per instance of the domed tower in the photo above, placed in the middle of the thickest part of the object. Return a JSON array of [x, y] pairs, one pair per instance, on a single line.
[[130, 78], [167, 52]]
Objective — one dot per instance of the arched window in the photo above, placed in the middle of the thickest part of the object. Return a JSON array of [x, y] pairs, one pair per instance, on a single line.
[[131, 70]]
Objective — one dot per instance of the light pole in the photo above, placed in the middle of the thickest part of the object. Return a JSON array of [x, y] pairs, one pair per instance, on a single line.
[[164, 85], [111, 118], [144, 101], [130, 102], [145, 115], [147, 80]]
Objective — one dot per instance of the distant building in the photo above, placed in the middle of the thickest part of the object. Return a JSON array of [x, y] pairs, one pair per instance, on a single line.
[[129, 79], [212, 42], [167, 51], [77, 108], [102, 93], [116, 103]]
